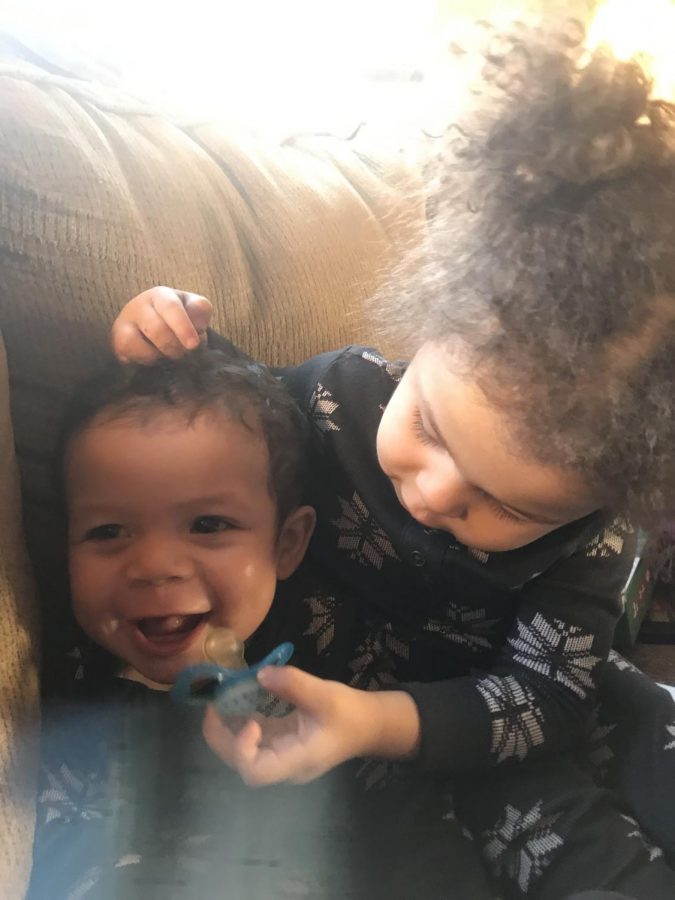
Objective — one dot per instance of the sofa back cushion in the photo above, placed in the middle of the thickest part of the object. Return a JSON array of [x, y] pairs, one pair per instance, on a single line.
[[18, 670], [100, 198]]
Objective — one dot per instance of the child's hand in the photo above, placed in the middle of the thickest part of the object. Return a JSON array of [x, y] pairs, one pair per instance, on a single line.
[[160, 322], [331, 723]]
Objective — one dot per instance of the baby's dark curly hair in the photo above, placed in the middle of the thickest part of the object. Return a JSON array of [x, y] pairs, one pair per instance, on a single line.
[[551, 260], [202, 382]]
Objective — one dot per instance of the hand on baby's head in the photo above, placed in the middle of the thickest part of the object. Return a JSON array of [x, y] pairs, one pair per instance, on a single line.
[[160, 322]]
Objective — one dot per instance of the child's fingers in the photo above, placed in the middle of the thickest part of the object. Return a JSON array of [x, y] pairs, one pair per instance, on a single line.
[[152, 329], [129, 345], [218, 736], [244, 750], [199, 310], [140, 334], [160, 322], [305, 691], [175, 309], [239, 749], [259, 765]]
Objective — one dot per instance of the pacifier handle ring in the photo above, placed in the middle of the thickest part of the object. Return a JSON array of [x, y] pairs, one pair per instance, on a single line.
[[184, 686], [278, 657]]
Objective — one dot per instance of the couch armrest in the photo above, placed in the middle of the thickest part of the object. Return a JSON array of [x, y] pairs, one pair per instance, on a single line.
[[18, 671]]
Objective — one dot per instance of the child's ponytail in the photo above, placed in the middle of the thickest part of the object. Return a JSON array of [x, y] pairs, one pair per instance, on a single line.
[[550, 260]]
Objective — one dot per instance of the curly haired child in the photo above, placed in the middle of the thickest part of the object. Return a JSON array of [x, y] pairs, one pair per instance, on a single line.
[[483, 497]]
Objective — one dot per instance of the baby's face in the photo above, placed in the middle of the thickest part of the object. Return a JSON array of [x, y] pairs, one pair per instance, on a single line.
[[455, 467], [172, 533]]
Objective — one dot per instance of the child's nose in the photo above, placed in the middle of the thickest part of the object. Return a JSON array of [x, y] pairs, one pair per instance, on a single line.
[[444, 491], [157, 560]]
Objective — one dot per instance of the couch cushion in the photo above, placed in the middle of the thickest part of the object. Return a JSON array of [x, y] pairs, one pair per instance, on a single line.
[[100, 198], [18, 671]]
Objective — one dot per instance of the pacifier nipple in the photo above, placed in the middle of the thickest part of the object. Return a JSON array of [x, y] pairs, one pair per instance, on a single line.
[[224, 648]]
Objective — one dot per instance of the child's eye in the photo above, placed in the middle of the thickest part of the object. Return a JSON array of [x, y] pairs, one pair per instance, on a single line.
[[210, 525], [108, 532], [421, 432], [501, 512]]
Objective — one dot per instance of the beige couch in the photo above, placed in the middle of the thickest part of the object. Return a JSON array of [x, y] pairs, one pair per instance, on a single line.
[[99, 199]]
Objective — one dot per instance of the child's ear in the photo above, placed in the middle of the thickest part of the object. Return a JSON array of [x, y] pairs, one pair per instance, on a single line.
[[293, 539]]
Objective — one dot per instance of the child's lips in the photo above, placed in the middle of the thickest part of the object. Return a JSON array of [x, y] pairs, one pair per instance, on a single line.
[[168, 635], [158, 627]]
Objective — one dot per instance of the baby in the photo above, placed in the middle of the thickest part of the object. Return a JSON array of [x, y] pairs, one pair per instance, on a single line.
[[183, 487]]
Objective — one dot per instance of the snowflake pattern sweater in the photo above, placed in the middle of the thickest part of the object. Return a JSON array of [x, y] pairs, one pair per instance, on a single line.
[[501, 652]]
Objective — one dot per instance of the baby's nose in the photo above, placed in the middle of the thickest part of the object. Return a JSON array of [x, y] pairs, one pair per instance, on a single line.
[[157, 561], [444, 492]]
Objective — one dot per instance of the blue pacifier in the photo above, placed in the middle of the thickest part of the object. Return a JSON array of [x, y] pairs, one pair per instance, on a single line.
[[226, 681]]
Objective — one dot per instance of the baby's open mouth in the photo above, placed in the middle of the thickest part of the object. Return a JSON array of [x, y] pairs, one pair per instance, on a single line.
[[169, 628]]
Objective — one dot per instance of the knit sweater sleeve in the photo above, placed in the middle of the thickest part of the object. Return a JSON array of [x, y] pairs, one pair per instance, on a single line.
[[533, 696], [536, 698]]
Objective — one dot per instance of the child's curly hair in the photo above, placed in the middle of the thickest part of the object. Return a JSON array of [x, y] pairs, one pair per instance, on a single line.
[[204, 381], [551, 257]]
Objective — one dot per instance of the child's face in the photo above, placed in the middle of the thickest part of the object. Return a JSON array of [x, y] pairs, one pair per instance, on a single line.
[[173, 532], [454, 466]]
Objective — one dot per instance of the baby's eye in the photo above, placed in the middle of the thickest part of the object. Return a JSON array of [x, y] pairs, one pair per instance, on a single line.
[[421, 432], [210, 525], [108, 532], [501, 512]]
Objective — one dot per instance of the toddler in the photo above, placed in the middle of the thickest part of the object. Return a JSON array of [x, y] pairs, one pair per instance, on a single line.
[[482, 498]]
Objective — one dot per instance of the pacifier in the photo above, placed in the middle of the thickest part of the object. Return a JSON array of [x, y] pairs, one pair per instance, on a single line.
[[226, 681], [223, 647]]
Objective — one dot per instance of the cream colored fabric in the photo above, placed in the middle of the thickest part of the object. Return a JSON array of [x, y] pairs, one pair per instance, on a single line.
[[18, 672]]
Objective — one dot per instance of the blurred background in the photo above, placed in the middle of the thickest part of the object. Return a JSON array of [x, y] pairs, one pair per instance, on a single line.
[[306, 64]]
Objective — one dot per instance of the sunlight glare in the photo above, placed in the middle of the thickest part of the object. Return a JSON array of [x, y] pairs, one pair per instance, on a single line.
[[645, 31]]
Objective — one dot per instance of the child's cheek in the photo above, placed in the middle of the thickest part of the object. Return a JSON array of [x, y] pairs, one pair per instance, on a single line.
[[90, 592], [253, 598], [255, 583], [109, 625]]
